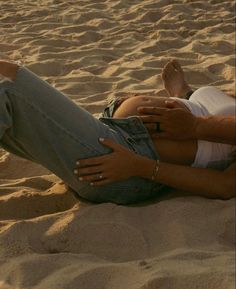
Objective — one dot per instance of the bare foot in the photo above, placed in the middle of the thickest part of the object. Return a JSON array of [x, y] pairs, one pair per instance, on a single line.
[[173, 79]]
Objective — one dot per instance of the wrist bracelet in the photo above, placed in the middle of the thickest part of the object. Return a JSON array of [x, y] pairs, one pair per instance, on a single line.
[[155, 171]]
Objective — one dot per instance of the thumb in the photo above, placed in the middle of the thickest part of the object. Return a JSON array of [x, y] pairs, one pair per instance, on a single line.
[[171, 104], [111, 144]]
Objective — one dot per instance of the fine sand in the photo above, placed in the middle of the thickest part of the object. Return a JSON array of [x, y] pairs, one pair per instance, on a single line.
[[92, 51]]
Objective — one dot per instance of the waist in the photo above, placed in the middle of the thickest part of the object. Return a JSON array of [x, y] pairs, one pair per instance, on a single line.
[[176, 152], [135, 133]]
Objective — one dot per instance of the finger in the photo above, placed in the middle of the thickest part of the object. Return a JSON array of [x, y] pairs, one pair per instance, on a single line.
[[177, 65], [111, 144], [151, 118], [171, 104], [151, 126], [88, 170], [92, 178], [93, 161], [101, 183], [152, 110]]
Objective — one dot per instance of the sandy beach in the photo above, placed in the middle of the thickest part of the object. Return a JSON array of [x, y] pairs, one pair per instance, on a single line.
[[93, 51]]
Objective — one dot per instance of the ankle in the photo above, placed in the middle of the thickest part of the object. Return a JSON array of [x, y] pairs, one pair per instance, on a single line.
[[186, 91]]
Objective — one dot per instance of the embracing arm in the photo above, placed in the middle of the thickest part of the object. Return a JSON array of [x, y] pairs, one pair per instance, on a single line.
[[216, 129], [114, 167], [197, 181], [181, 124]]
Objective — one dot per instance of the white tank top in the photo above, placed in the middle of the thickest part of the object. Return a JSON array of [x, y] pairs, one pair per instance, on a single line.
[[211, 101]]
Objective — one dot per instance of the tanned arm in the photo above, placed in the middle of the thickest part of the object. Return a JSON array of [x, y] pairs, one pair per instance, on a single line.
[[181, 124], [198, 181], [220, 129]]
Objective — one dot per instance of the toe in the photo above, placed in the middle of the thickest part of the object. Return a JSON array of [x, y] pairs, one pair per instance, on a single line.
[[164, 68], [170, 68], [168, 71], [176, 65]]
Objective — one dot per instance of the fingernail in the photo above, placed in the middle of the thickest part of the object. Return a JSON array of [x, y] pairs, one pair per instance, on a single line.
[[101, 139], [77, 162], [91, 184], [81, 179], [76, 172]]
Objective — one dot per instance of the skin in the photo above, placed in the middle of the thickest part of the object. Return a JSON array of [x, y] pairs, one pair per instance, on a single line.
[[173, 79], [181, 124], [114, 166], [172, 172], [173, 151]]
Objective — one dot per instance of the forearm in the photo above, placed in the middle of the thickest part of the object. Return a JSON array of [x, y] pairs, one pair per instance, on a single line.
[[216, 129], [198, 181]]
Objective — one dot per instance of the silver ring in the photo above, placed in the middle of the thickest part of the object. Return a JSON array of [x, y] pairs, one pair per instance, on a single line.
[[101, 177]]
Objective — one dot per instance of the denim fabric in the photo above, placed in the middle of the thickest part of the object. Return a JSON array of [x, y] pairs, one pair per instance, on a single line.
[[110, 108], [39, 123]]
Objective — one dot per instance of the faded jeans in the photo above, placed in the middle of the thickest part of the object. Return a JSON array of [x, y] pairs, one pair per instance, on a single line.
[[39, 123]]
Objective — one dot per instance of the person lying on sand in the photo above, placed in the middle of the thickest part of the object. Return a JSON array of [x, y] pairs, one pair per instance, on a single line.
[[134, 151]]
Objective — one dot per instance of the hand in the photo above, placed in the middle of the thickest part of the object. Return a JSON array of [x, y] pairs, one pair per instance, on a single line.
[[119, 165], [174, 123]]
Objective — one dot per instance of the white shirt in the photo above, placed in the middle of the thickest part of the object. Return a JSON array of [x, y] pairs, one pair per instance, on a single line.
[[211, 101]]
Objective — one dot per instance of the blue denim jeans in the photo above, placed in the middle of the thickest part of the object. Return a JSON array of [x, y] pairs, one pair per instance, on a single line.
[[39, 123]]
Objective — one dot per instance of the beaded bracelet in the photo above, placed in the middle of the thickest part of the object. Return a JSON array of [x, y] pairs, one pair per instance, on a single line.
[[155, 171]]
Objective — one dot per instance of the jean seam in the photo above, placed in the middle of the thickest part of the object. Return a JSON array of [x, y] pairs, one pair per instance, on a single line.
[[13, 90]]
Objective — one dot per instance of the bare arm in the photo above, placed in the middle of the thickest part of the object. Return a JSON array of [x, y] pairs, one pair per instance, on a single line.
[[114, 167], [181, 124], [216, 129], [197, 181]]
